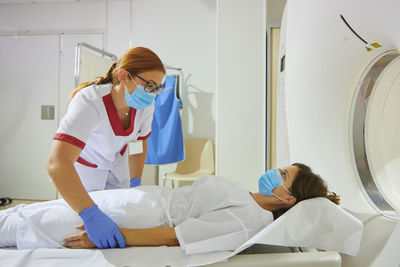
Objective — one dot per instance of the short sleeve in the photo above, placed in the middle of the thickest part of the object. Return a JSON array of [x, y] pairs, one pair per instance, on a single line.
[[215, 231], [79, 121], [145, 127]]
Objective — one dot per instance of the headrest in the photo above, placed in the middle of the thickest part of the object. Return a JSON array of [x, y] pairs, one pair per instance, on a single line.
[[316, 223]]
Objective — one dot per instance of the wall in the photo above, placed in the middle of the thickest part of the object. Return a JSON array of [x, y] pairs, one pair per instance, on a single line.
[[183, 34], [52, 16], [241, 72], [274, 17], [275, 10]]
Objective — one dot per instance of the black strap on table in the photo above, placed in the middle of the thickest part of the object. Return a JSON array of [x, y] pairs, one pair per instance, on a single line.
[[4, 201]]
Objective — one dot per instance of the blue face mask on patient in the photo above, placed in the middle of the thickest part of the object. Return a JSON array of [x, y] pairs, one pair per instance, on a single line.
[[270, 180]]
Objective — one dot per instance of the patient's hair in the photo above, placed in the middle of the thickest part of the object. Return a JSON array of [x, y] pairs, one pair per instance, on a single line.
[[135, 61], [308, 185]]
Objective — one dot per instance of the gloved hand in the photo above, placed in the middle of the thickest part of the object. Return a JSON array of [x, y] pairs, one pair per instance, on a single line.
[[135, 181], [101, 229]]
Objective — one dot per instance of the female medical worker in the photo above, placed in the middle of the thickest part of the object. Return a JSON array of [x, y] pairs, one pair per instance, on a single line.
[[89, 148]]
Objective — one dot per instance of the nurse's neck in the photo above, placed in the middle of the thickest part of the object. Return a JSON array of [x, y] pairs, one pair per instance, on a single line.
[[269, 203], [118, 97]]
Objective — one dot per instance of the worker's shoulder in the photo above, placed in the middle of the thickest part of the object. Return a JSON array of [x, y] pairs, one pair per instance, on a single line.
[[91, 99], [94, 94]]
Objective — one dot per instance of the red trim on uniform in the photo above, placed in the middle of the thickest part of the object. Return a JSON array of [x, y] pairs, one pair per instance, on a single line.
[[144, 137], [123, 149], [84, 162], [69, 139], [115, 122]]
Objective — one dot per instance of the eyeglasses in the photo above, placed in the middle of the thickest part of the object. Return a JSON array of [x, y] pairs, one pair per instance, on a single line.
[[151, 87]]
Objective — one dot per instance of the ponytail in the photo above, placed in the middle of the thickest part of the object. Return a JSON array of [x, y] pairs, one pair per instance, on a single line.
[[109, 78]]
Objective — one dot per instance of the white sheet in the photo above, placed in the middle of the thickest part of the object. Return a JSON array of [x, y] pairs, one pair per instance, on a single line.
[[132, 256], [47, 257], [46, 223], [214, 214], [312, 223]]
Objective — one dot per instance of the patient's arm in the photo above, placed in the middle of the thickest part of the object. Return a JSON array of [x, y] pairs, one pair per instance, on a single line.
[[159, 236]]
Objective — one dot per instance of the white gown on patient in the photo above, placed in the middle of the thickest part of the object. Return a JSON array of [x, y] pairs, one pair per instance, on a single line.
[[211, 215]]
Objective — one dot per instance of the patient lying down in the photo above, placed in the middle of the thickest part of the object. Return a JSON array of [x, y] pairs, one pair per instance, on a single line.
[[213, 214]]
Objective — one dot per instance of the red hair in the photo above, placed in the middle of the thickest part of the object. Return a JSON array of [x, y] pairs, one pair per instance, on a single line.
[[135, 61]]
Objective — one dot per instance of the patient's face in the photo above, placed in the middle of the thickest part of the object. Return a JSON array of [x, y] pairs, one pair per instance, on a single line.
[[288, 174]]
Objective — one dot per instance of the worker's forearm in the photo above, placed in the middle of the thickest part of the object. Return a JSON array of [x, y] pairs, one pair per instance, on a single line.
[[136, 162], [160, 236], [69, 185]]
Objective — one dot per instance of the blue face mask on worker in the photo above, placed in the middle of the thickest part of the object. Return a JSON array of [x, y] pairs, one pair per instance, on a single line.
[[139, 99], [270, 180]]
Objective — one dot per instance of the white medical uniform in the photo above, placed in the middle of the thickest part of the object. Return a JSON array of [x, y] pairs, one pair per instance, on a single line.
[[92, 123], [213, 214]]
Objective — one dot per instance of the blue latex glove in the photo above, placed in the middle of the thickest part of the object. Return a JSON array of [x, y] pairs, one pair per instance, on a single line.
[[101, 229], [135, 181]]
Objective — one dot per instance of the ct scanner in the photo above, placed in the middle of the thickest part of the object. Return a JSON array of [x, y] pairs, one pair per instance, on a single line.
[[338, 110]]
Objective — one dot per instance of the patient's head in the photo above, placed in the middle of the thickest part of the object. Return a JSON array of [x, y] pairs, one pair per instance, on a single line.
[[309, 185], [299, 183]]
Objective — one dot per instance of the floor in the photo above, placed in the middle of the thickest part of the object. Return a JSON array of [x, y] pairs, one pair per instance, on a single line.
[[15, 202]]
